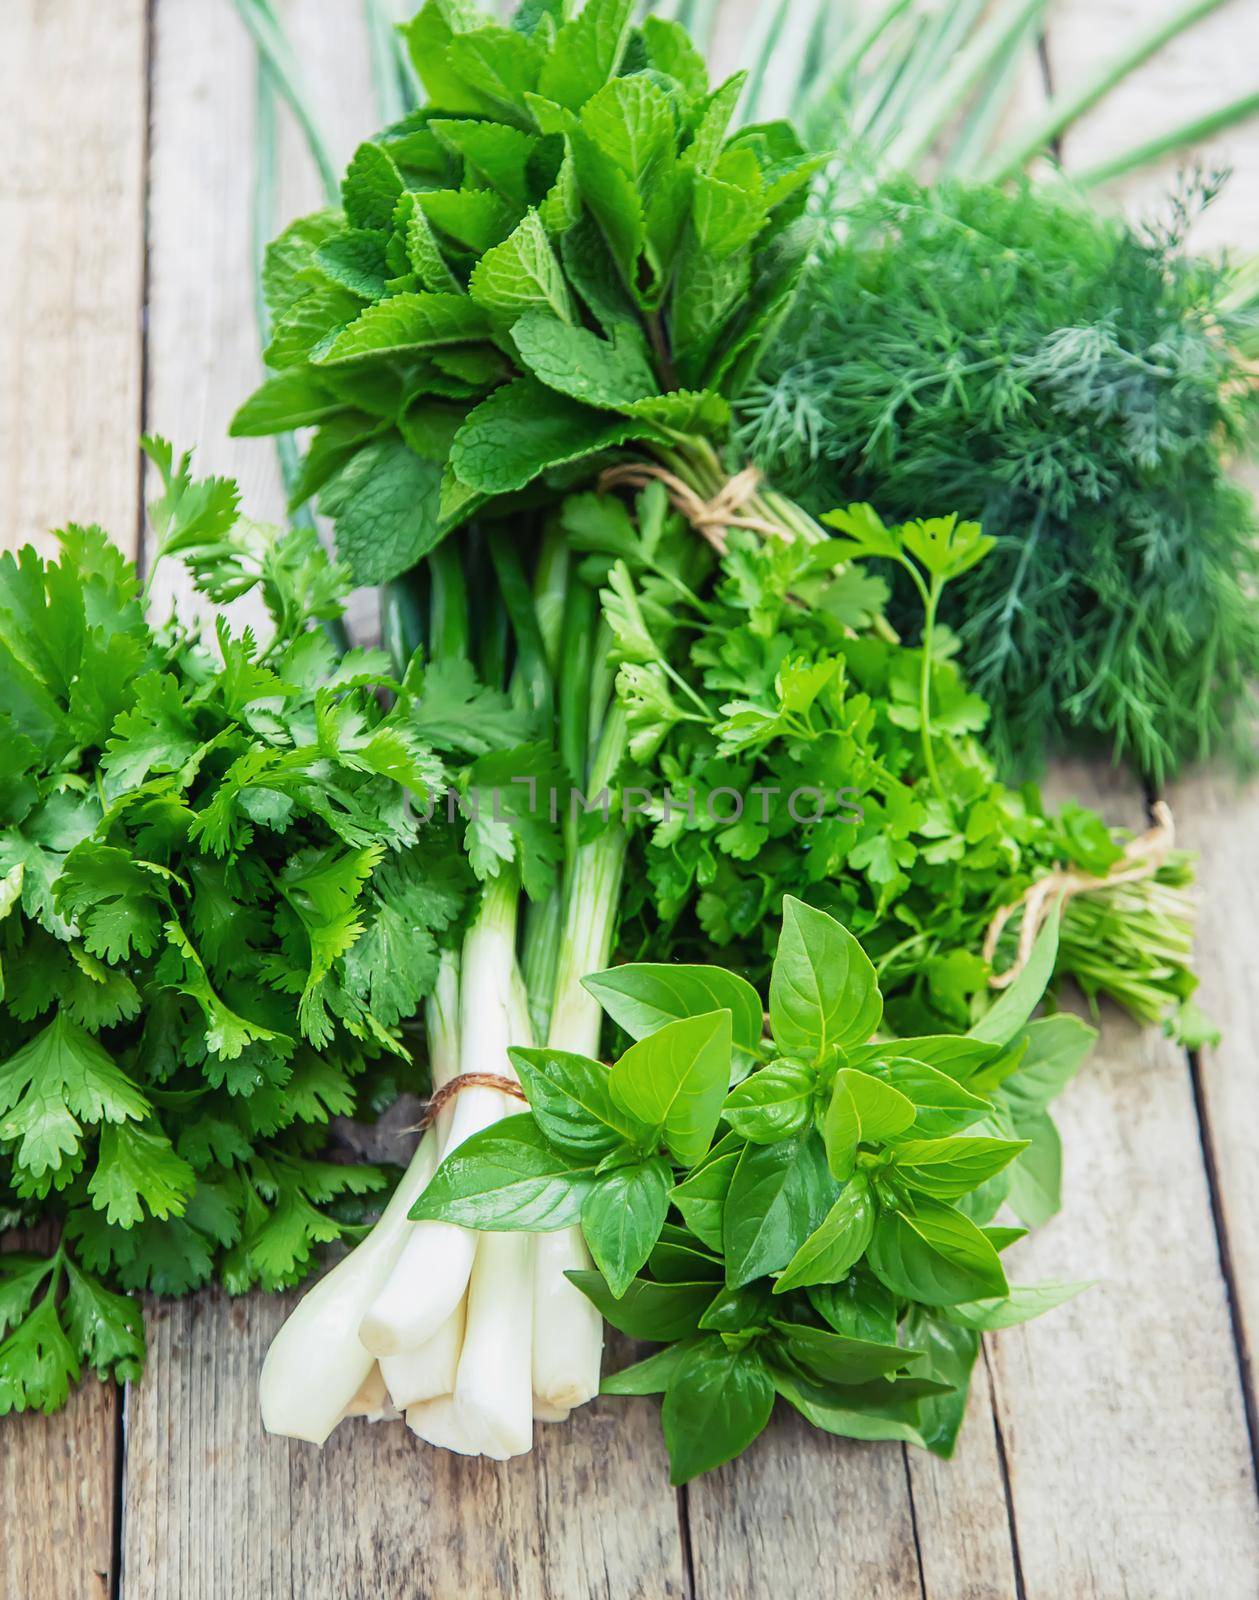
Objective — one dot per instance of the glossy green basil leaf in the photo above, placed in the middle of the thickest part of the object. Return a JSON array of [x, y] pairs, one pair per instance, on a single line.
[[1036, 1177], [1011, 1012], [778, 1196], [845, 1413], [859, 1306], [1023, 1302], [935, 1255], [716, 1402], [862, 1109], [701, 1198], [675, 1080], [680, 1257], [507, 1178], [650, 1375], [656, 1311], [948, 1168], [837, 1243], [949, 1357], [943, 1105], [737, 1310], [570, 1098], [642, 997], [771, 1104], [622, 1216], [839, 1358], [1056, 1048], [953, 1054], [823, 993]]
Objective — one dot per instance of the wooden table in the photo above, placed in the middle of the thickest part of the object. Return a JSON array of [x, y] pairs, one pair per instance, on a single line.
[[1110, 1449]]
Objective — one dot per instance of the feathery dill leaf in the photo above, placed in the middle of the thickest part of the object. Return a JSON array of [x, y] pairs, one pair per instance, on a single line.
[[1073, 384]]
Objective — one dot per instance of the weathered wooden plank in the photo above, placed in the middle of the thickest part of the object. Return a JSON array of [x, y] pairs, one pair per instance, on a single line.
[[803, 1513], [214, 1507], [961, 1513], [71, 277], [1122, 1415], [71, 216], [1219, 817]]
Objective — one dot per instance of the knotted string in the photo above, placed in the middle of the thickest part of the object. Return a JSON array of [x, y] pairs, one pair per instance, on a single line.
[[440, 1098], [709, 518], [1142, 857]]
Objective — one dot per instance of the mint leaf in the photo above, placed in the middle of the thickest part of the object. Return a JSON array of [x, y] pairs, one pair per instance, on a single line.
[[386, 505]]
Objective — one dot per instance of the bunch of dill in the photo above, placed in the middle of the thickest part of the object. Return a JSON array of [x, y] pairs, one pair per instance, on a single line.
[[1012, 356]]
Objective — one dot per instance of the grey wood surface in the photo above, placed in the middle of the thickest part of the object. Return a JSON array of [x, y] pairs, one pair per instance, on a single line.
[[1107, 1449]]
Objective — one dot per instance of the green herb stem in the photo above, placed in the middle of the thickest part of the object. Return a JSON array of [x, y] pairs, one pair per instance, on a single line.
[[1187, 133], [1063, 110]]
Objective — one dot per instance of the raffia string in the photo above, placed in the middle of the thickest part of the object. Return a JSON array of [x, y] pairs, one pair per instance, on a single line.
[[1142, 857], [710, 518], [440, 1098]]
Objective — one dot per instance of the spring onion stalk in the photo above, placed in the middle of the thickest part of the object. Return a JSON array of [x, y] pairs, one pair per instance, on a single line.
[[957, 81], [490, 1409], [1203, 127], [316, 1364], [1063, 110], [317, 1367], [432, 1271], [274, 48]]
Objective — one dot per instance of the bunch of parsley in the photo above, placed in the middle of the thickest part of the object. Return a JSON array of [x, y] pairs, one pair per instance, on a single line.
[[1075, 385], [219, 902], [789, 743], [804, 1213]]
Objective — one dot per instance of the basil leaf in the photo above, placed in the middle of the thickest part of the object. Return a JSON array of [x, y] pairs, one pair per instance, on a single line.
[[676, 1079], [950, 1053], [838, 1411], [839, 1358], [1056, 1047], [950, 1353], [507, 1179], [1003, 1021], [862, 1107], [737, 1310], [1023, 1302], [1036, 1177], [681, 1260], [823, 994], [716, 1403], [642, 996], [771, 1104], [950, 1168], [860, 1306], [622, 1216], [943, 1105], [649, 1376], [935, 1255], [572, 1103], [837, 1244], [778, 1196], [657, 1311], [701, 1198]]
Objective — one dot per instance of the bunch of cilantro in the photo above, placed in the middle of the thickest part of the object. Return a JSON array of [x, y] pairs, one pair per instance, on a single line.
[[1077, 386], [224, 876], [802, 1214], [783, 740]]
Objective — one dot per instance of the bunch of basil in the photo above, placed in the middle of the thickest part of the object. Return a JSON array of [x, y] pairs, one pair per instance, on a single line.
[[805, 1214]]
